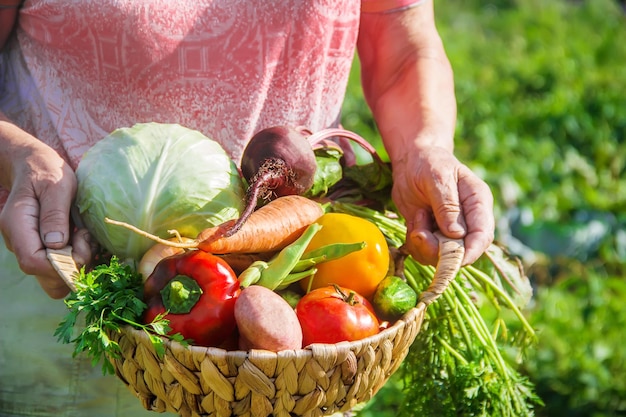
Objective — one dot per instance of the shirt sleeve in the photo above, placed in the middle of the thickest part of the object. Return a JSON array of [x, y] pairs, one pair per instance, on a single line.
[[386, 6]]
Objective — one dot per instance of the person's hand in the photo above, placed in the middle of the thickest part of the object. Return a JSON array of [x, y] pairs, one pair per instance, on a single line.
[[434, 191], [37, 215]]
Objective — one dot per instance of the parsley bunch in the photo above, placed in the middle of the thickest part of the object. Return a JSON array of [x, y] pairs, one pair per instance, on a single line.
[[107, 298]]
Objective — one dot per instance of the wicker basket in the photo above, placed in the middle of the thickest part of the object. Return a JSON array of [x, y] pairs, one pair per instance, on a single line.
[[319, 380]]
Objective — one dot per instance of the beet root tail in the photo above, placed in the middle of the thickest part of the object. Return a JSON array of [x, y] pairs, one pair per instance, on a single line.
[[273, 179]]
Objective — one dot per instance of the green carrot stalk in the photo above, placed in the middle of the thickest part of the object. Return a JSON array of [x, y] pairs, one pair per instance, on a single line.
[[456, 353], [474, 274], [451, 350]]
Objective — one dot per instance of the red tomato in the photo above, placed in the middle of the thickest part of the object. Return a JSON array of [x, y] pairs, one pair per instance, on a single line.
[[334, 314]]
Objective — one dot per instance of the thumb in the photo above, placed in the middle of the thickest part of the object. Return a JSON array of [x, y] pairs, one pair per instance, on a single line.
[[54, 219], [448, 214]]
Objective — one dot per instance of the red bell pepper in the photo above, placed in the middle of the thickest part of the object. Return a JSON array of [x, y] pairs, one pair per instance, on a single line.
[[196, 291]]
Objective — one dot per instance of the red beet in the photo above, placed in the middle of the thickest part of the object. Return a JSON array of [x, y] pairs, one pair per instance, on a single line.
[[277, 161]]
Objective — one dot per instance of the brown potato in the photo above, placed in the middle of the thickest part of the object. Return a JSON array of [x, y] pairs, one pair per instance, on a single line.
[[266, 321]]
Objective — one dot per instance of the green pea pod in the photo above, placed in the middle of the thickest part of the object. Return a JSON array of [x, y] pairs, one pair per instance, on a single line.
[[252, 274], [326, 253], [282, 264], [295, 277]]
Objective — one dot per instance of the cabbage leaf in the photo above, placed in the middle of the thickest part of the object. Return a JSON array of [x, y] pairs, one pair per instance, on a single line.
[[157, 177]]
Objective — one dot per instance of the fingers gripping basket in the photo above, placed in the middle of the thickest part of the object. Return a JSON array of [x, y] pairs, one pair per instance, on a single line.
[[318, 380]]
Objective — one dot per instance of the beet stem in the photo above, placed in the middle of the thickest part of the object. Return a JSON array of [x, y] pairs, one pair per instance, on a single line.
[[330, 132]]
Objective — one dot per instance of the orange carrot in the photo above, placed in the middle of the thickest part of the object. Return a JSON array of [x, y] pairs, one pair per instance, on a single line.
[[269, 228]]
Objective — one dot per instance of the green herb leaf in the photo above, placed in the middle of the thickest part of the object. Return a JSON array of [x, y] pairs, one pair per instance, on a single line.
[[107, 298]]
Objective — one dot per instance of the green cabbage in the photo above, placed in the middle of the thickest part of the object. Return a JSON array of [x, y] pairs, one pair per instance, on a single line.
[[157, 177]]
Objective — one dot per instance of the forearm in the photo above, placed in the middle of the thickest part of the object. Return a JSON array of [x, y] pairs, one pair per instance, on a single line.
[[21, 152], [10, 148], [407, 80], [10, 135]]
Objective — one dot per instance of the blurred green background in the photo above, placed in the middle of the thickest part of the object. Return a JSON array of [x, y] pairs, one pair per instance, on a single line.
[[541, 91]]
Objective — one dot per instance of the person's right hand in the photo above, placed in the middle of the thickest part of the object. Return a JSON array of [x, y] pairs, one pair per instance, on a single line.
[[36, 215]]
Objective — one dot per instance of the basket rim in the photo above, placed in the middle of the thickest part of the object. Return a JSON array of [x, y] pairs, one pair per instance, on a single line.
[[415, 314]]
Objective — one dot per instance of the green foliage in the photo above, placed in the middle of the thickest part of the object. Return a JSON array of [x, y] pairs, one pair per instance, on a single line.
[[545, 107], [542, 118], [579, 362]]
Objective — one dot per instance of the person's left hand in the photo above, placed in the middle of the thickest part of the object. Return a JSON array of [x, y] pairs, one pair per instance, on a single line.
[[433, 191]]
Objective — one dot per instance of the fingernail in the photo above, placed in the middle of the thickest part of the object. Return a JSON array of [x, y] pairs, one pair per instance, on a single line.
[[53, 237]]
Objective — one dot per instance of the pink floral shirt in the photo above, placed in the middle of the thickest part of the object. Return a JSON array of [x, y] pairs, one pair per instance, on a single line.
[[77, 70]]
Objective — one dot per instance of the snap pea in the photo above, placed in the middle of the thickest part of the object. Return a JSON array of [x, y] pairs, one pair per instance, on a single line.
[[272, 273], [291, 264], [327, 253]]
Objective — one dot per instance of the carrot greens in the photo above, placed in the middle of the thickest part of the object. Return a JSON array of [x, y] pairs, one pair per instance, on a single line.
[[461, 363]]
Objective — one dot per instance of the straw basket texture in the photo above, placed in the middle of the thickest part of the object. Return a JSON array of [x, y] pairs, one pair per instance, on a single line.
[[319, 380]]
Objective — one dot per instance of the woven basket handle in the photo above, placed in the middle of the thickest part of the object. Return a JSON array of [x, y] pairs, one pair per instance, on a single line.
[[63, 263], [451, 252]]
